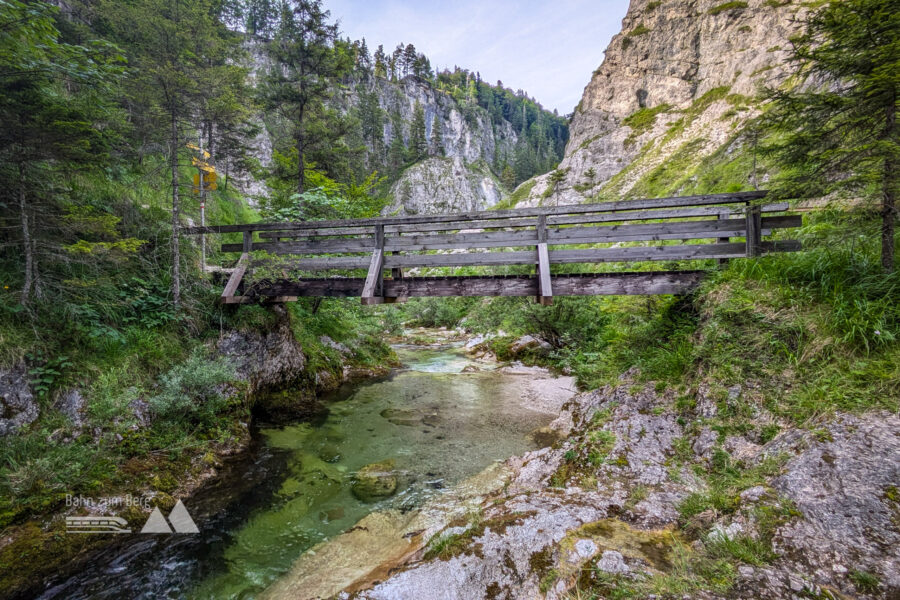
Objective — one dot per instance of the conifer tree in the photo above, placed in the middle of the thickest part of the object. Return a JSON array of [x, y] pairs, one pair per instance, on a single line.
[[838, 133], [418, 144], [380, 62], [437, 136], [304, 65], [46, 129]]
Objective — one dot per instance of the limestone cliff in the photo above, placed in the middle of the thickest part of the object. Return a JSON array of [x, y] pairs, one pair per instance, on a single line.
[[666, 111], [444, 185]]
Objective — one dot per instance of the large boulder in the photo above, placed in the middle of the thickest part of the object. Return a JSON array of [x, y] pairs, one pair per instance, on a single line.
[[18, 407], [375, 481], [268, 360]]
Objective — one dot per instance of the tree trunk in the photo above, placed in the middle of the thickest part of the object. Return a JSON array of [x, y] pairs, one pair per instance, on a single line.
[[888, 203], [26, 239], [301, 170], [210, 141], [176, 254]]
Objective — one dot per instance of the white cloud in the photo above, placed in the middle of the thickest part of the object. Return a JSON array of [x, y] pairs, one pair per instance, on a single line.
[[548, 49]]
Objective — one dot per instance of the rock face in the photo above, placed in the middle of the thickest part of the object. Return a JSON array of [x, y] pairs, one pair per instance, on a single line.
[[471, 140], [846, 485], [469, 134], [18, 406], [679, 80], [444, 185], [265, 361]]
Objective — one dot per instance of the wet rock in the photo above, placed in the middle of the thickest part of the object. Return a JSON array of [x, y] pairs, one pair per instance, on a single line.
[[71, 404], [402, 416], [18, 406], [476, 341], [375, 481], [470, 369], [545, 436], [330, 453], [326, 381], [612, 562]]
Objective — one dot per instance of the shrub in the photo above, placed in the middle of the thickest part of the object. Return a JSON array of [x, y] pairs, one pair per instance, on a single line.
[[192, 390]]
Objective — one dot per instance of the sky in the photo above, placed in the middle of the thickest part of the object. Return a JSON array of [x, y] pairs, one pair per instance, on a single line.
[[549, 49]]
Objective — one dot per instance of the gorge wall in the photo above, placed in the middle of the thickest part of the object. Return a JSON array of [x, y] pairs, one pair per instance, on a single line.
[[668, 110]]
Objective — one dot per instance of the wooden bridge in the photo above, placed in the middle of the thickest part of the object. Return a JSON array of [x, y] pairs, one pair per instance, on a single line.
[[703, 227]]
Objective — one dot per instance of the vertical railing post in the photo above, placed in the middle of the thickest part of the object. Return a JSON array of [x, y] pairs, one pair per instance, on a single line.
[[754, 230]]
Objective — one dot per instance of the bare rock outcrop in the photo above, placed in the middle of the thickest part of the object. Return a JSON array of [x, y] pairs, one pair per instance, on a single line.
[[18, 406]]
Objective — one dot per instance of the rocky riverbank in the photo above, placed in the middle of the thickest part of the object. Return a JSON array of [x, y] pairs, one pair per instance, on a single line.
[[645, 499]]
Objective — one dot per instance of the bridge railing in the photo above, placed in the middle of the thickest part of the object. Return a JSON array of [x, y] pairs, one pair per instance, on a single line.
[[704, 224]]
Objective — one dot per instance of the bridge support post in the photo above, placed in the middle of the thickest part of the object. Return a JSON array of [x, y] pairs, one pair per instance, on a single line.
[[754, 230], [373, 289], [545, 291]]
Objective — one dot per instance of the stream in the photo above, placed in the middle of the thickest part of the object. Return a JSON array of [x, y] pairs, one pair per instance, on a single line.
[[435, 425]]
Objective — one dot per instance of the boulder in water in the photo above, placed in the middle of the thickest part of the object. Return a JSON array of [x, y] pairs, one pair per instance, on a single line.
[[375, 481]]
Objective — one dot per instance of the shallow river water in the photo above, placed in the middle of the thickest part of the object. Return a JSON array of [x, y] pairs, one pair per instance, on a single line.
[[292, 490]]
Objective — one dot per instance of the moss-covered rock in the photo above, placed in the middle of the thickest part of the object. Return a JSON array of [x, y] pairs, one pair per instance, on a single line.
[[375, 481]]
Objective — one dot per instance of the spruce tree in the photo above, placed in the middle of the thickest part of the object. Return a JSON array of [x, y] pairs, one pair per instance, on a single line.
[[304, 67], [837, 132], [171, 54], [437, 136], [53, 106], [418, 144]]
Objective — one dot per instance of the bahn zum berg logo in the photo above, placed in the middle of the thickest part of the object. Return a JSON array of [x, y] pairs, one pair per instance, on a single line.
[[179, 520]]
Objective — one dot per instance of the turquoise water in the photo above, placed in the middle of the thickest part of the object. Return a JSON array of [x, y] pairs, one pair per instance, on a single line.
[[436, 424]]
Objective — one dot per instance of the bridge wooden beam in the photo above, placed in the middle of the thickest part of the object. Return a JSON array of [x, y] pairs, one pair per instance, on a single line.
[[602, 207], [587, 284], [373, 290], [235, 279]]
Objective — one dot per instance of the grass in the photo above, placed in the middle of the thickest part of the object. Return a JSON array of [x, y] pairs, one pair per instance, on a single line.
[[643, 119], [727, 6]]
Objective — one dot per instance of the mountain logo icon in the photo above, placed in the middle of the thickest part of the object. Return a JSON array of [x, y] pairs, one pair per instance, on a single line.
[[179, 518]]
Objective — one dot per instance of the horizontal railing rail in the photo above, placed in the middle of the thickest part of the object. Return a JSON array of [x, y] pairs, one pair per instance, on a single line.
[[540, 236]]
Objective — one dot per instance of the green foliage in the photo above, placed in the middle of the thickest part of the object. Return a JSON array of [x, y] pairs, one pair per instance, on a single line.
[[641, 29], [191, 391], [865, 582], [727, 6], [45, 373], [839, 134]]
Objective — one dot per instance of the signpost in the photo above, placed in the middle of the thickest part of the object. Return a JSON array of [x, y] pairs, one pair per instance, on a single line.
[[204, 180]]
